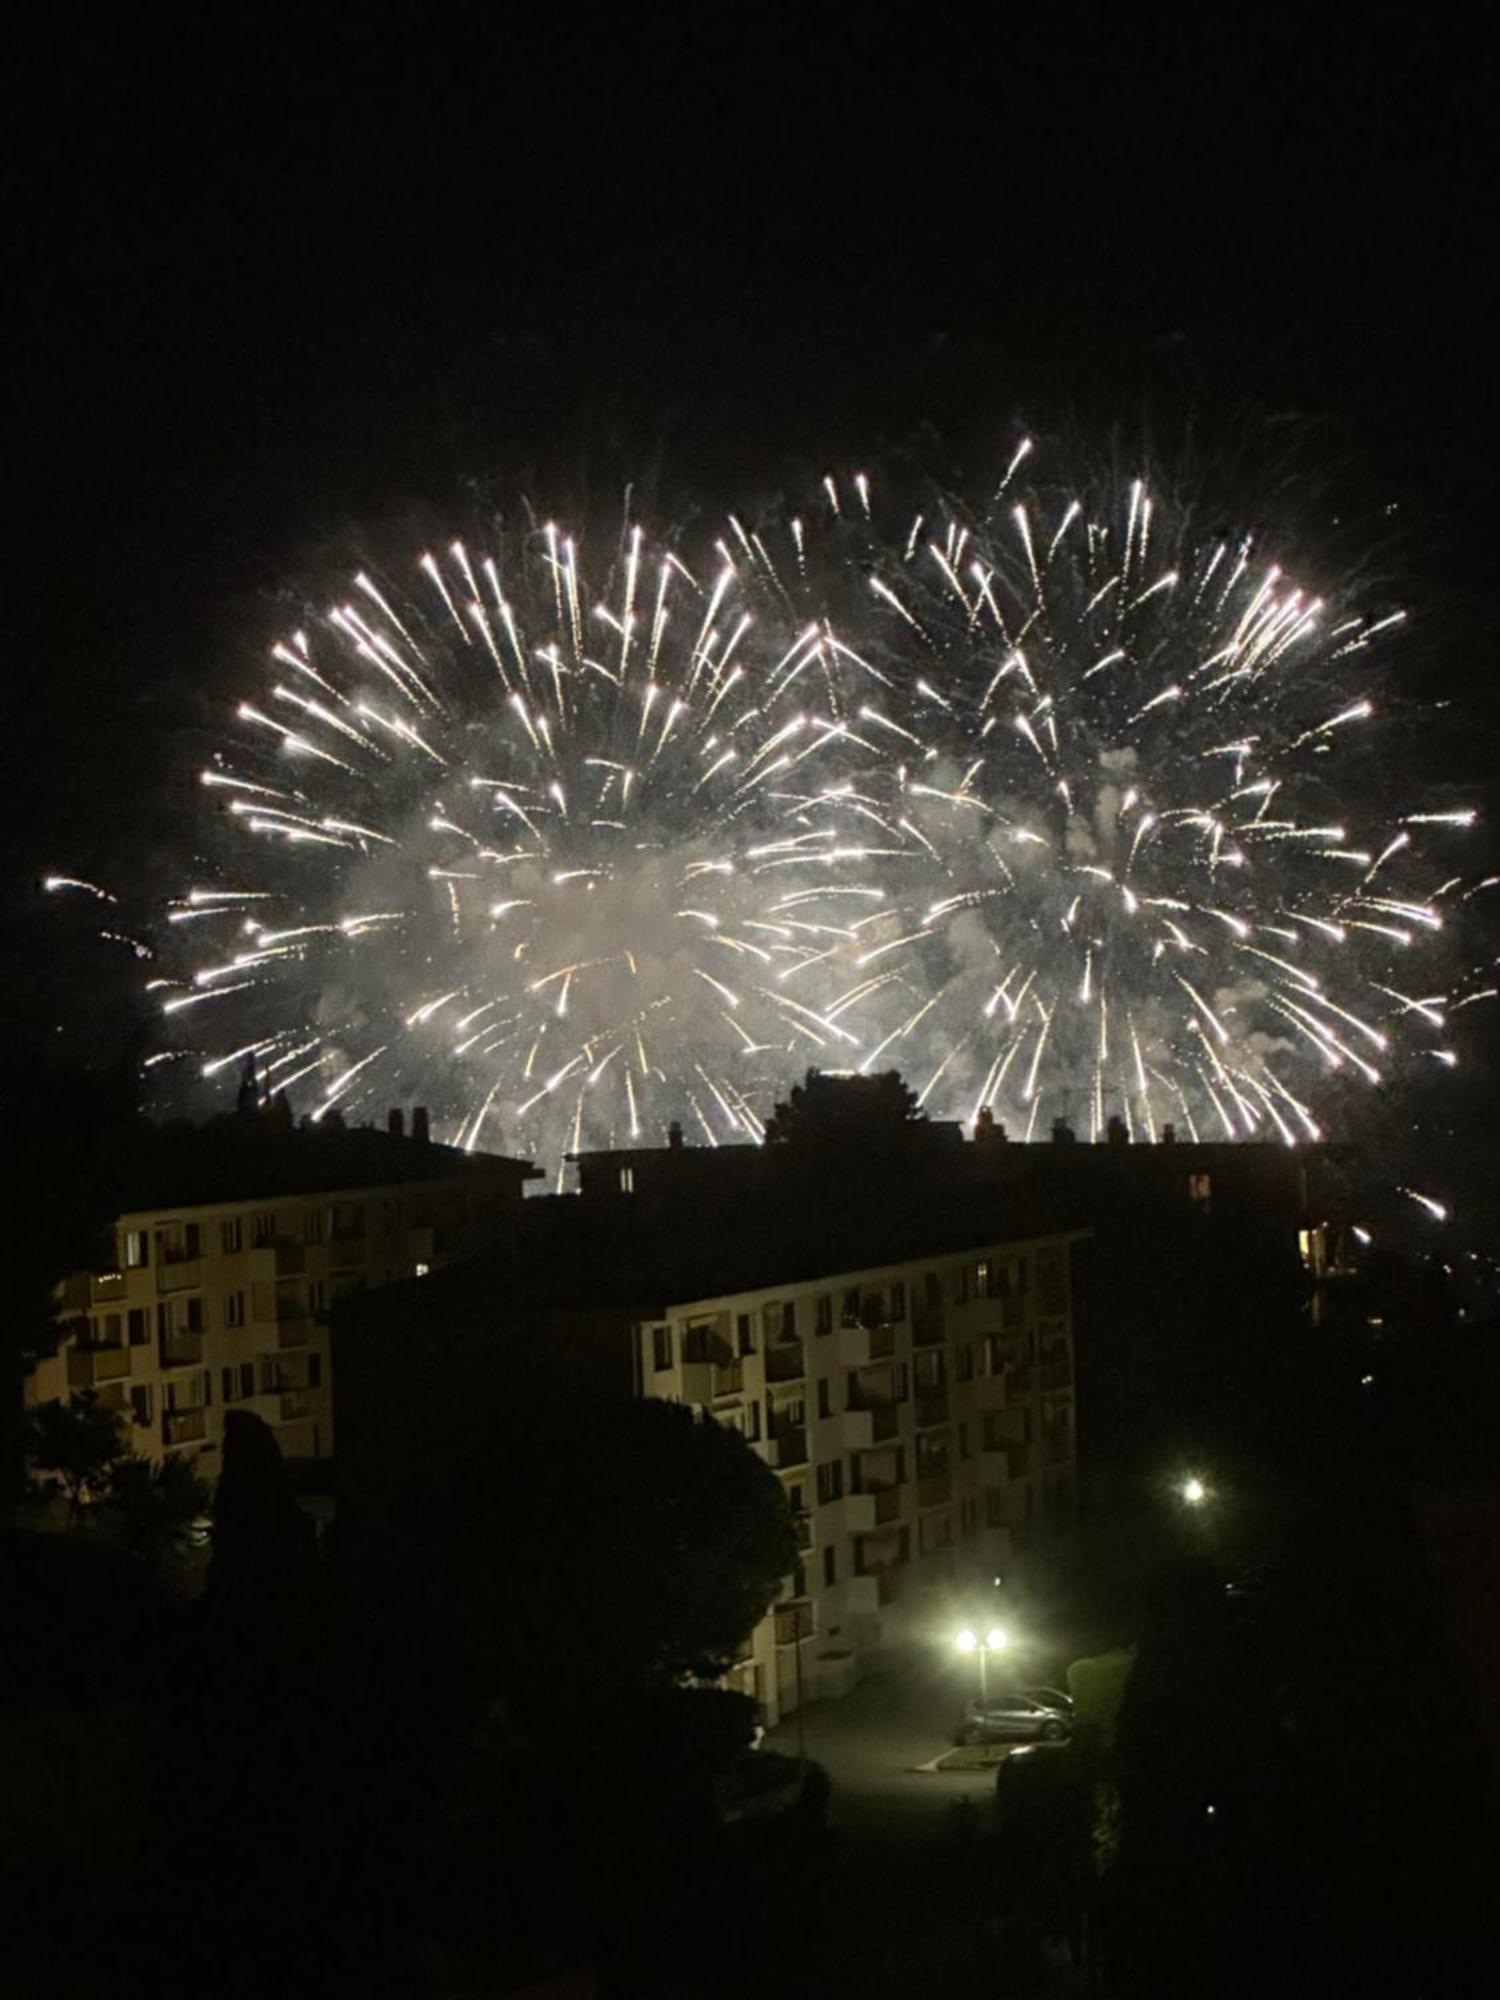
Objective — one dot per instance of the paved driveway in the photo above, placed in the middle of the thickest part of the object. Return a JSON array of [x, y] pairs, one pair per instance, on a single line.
[[873, 1742]]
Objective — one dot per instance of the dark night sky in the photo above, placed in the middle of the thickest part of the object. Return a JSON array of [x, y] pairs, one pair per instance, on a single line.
[[273, 271]]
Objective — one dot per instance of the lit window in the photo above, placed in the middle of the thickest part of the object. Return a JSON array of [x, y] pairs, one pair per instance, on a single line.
[[1200, 1190], [627, 1180], [421, 1270], [137, 1249]]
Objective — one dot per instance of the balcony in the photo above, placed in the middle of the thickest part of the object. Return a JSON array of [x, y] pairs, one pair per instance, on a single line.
[[729, 1379], [89, 1365], [928, 1327], [1057, 1375], [291, 1258], [793, 1622], [932, 1407], [860, 1594], [295, 1405], [183, 1426], [853, 1515], [858, 1346], [1019, 1380], [788, 1448], [179, 1274], [83, 1289], [1057, 1450], [1018, 1460], [786, 1362], [181, 1350], [803, 1525], [990, 1391], [887, 1505], [934, 1488]]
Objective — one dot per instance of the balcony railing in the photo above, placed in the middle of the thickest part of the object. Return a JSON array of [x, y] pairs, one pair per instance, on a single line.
[[793, 1622], [295, 1404], [887, 1586], [786, 1362], [88, 1364], [933, 1488], [887, 1505], [788, 1448], [928, 1327], [729, 1378], [183, 1426], [181, 1350], [803, 1524], [181, 1274], [932, 1407]]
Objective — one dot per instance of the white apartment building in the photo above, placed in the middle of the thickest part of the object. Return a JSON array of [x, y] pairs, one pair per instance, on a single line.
[[920, 1416], [222, 1305]]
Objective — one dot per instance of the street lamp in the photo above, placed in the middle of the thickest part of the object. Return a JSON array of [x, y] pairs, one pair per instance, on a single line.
[[995, 1640], [1194, 1492]]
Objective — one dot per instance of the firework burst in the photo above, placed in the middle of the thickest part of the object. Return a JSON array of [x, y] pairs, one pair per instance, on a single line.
[[1056, 806]]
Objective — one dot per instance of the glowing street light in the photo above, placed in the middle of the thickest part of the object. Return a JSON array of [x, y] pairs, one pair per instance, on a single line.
[[1194, 1492], [995, 1640]]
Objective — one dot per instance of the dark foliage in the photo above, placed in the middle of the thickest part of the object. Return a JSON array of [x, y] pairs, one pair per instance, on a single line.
[[846, 1114]]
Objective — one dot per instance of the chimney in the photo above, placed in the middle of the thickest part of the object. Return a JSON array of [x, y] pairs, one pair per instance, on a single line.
[[1117, 1132], [674, 1136], [1169, 1135], [1062, 1132], [395, 1122], [419, 1124]]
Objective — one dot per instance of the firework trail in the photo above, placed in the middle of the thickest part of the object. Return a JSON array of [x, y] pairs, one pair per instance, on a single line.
[[1055, 806]]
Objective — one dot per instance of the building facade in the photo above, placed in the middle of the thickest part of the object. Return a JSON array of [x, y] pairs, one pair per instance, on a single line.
[[920, 1417], [215, 1305]]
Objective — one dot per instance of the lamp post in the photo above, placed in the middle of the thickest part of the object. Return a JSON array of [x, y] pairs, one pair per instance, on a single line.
[[995, 1640], [1193, 1492]]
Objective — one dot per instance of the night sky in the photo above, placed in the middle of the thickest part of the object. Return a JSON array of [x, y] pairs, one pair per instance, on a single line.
[[272, 272]]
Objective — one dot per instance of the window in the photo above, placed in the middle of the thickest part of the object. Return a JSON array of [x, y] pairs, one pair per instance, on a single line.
[[420, 1270], [315, 1370], [317, 1296], [661, 1343], [208, 1387], [228, 1377], [789, 1320], [825, 1405], [830, 1483], [312, 1225], [263, 1231], [963, 1440], [744, 1332], [108, 1330], [830, 1565], [982, 1273], [164, 1319], [961, 1285], [231, 1235], [234, 1309], [965, 1360], [140, 1402], [140, 1332], [1201, 1192], [849, 1315], [752, 1424], [137, 1249], [994, 1507], [247, 1378], [192, 1240], [193, 1314], [698, 1341], [898, 1300], [627, 1180], [824, 1320]]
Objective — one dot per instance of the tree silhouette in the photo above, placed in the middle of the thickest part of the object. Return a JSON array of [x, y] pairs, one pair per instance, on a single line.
[[80, 1444]]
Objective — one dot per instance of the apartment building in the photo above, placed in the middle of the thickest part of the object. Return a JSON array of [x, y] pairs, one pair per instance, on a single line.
[[920, 1416], [219, 1297]]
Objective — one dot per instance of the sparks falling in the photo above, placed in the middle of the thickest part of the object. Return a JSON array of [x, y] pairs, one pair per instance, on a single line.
[[1056, 806]]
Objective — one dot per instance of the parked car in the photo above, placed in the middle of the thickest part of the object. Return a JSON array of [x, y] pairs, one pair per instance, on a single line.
[[1022, 1715]]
